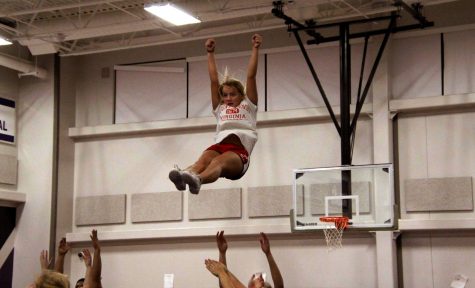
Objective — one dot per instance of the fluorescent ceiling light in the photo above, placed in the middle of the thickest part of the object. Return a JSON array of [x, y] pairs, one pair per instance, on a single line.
[[4, 41], [171, 14]]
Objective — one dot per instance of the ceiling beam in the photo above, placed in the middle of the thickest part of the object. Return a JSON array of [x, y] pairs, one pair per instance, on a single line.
[[9, 29], [22, 65], [125, 11], [93, 32], [133, 26], [167, 39], [58, 7]]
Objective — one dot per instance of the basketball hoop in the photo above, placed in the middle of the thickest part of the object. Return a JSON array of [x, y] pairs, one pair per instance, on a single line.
[[333, 230]]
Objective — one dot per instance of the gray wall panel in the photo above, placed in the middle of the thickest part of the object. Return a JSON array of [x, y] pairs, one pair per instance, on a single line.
[[215, 204], [273, 201], [94, 210], [8, 169], [157, 207], [439, 194]]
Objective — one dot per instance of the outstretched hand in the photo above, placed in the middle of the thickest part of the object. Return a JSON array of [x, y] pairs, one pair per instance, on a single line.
[[210, 45], [215, 267], [265, 246], [63, 247], [45, 261], [221, 241], [94, 239], [86, 256], [257, 280], [256, 40]]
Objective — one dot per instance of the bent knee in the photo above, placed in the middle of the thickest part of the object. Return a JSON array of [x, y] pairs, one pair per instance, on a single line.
[[232, 167]]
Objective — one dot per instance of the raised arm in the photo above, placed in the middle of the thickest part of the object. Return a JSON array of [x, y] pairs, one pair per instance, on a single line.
[[96, 262], [222, 247], [87, 258], [227, 279], [219, 270], [213, 73], [251, 85], [274, 269], [63, 249]]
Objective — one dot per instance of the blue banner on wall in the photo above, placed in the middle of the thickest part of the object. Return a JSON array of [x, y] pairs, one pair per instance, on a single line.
[[7, 121]]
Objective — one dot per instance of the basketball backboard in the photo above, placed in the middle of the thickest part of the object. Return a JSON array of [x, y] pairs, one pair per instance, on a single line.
[[317, 192]]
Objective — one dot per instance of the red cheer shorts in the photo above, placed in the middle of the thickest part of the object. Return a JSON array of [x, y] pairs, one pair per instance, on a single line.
[[239, 150]]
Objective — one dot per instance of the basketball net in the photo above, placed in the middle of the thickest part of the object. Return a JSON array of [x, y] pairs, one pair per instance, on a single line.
[[333, 230]]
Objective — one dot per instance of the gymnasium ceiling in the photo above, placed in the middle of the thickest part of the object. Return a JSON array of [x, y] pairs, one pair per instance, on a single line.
[[73, 27]]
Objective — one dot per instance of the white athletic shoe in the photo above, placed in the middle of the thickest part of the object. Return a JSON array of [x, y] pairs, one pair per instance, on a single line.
[[176, 176], [193, 181]]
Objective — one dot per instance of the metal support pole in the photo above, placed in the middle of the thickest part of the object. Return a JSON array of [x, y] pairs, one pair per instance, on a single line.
[[348, 125], [371, 33], [414, 10], [359, 105], [317, 81], [345, 101]]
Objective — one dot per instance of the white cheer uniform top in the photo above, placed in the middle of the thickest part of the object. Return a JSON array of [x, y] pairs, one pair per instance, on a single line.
[[240, 120]]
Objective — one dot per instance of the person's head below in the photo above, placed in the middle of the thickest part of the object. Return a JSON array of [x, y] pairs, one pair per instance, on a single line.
[[257, 281], [231, 92], [79, 283], [52, 279]]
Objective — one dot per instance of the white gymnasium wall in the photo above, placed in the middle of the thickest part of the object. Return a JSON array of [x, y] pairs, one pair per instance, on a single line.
[[432, 260], [436, 146], [295, 88], [35, 118], [415, 67], [303, 261], [95, 95], [146, 95], [439, 145], [67, 113], [8, 90], [429, 146], [460, 62], [8, 83], [141, 165]]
